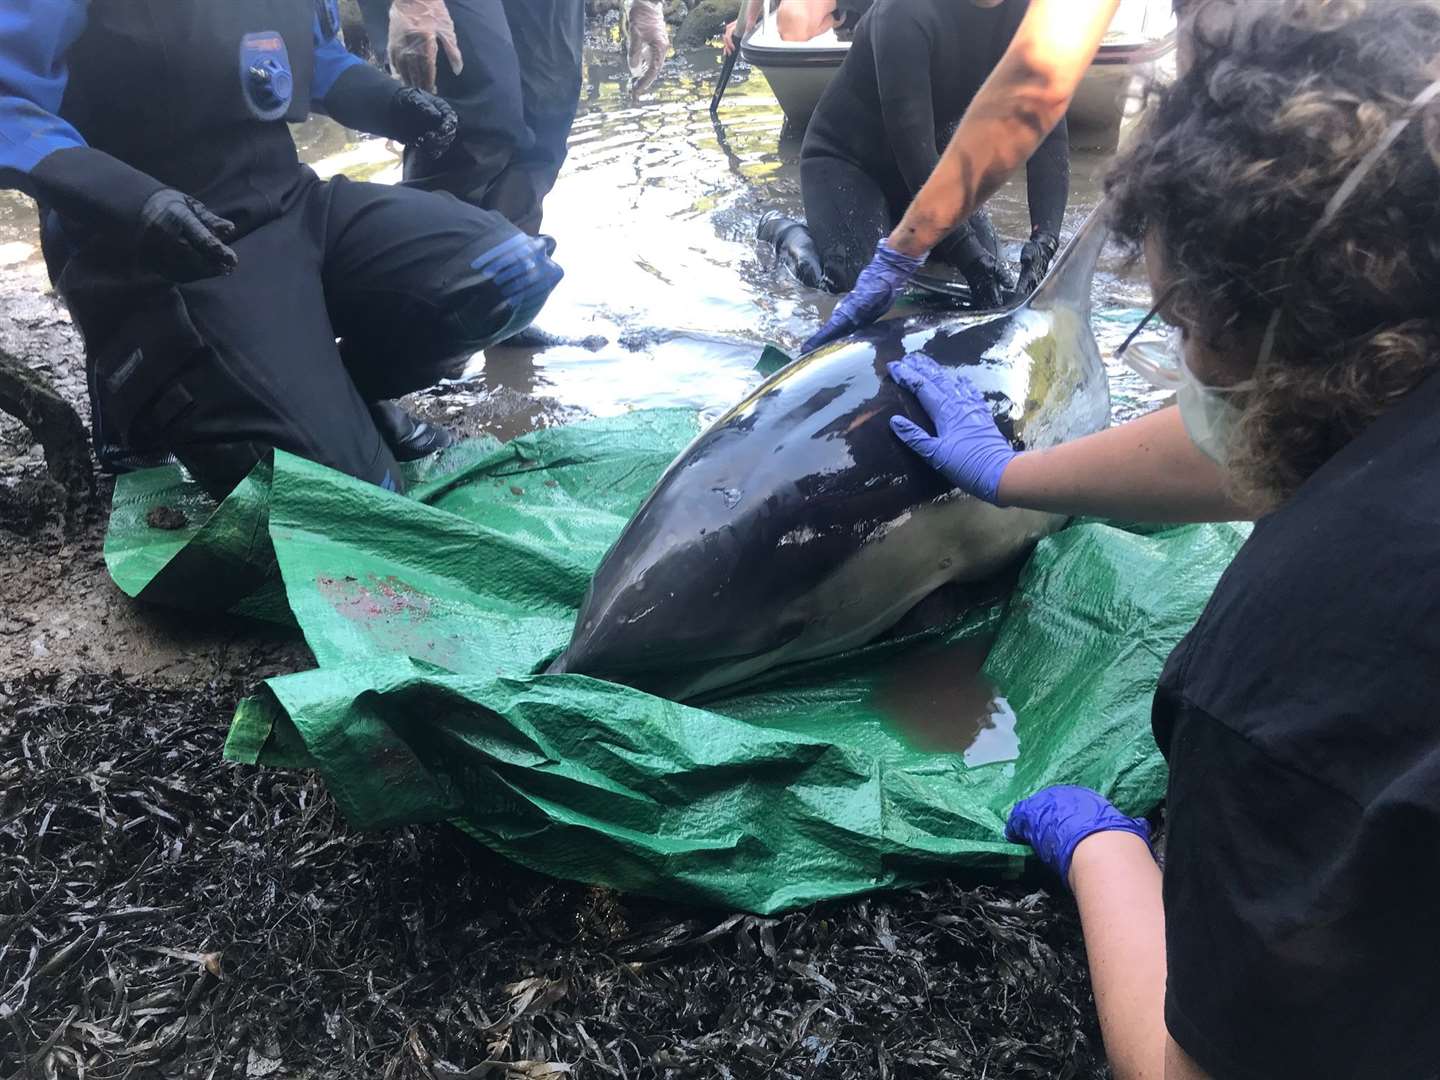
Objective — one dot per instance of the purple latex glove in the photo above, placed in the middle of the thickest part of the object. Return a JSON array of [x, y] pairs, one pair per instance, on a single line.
[[1055, 820], [967, 448], [874, 294]]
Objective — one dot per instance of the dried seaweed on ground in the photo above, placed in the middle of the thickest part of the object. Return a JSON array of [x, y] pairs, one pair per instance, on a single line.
[[165, 914]]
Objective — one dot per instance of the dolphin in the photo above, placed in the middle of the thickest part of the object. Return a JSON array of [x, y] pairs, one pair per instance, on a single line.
[[798, 526]]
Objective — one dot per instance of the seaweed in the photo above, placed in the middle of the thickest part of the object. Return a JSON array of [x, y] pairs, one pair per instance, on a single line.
[[164, 913]]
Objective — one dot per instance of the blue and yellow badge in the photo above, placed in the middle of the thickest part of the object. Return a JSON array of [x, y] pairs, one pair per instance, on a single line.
[[265, 75]]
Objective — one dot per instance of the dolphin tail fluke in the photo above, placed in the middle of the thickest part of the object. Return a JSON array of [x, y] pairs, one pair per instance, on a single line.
[[1068, 283]]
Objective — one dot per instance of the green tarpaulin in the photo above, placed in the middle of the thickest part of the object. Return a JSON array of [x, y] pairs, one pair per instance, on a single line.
[[429, 615]]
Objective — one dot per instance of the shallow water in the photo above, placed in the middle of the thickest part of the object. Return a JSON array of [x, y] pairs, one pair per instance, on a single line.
[[655, 216]]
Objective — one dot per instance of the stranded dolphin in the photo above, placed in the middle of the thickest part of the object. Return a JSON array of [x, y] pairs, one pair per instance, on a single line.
[[799, 526]]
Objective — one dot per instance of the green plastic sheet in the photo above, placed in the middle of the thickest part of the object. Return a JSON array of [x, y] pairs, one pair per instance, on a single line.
[[430, 615]]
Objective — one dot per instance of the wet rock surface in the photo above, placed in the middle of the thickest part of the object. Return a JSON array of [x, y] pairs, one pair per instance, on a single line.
[[705, 21], [167, 914]]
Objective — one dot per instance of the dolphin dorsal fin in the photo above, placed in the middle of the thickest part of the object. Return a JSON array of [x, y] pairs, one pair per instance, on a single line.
[[1068, 282]]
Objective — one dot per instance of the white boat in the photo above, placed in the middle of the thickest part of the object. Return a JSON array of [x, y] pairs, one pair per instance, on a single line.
[[1138, 45], [798, 71], [1141, 35]]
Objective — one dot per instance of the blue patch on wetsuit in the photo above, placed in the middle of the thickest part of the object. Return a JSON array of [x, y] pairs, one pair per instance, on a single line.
[[265, 75], [522, 270]]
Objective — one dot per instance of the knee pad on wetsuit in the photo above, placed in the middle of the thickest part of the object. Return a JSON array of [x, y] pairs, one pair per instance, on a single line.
[[498, 290]]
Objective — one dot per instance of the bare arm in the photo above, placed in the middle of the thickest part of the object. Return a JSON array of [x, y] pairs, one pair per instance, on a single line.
[[1117, 886], [1018, 105], [741, 26], [801, 20], [1144, 470]]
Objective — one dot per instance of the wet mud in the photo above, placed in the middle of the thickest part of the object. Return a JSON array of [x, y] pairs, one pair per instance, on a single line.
[[165, 914]]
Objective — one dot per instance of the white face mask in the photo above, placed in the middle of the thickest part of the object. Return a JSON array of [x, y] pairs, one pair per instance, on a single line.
[[1209, 414], [1207, 411]]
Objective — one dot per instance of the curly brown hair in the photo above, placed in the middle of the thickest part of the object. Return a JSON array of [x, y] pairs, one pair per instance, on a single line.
[[1232, 172]]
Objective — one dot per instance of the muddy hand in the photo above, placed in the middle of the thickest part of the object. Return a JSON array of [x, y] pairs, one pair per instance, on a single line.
[[874, 294], [987, 283], [1035, 258], [967, 448], [181, 239], [1054, 821]]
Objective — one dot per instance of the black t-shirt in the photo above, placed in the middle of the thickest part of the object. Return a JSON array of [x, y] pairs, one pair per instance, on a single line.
[[907, 80], [1301, 720]]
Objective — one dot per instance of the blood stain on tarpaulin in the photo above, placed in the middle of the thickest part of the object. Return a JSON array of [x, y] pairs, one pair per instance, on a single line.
[[394, 614]]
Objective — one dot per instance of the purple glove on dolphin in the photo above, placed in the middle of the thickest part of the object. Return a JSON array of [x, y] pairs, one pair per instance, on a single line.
[[1054, 820], [874, 294], [967, 448]]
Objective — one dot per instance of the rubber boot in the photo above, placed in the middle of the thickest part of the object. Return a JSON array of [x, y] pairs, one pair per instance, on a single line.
[[794, 246], [408, 437]]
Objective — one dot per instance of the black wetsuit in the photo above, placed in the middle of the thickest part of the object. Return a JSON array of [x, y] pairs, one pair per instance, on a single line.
[[516, 97], [878, 131]]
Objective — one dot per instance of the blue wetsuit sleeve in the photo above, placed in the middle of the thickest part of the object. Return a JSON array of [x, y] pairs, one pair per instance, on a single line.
[[35, 35], [332, 59]]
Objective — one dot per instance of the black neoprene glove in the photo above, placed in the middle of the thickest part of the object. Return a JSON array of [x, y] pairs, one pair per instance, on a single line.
[[987, 283], [1035, 257], [167, 231], [369, 100], [181, 239], [425, 123]]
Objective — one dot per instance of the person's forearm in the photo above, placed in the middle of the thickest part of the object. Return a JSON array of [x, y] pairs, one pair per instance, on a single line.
[[1018, 105], [1117, 887], [1144, 470]]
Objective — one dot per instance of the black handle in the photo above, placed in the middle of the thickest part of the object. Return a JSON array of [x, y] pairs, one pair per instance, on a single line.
[[725, 71]]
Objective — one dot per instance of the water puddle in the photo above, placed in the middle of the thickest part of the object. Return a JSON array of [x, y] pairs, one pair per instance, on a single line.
[[939, 701]]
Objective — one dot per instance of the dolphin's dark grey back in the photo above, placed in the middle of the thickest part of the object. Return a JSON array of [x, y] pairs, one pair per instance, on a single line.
[[798, 525]]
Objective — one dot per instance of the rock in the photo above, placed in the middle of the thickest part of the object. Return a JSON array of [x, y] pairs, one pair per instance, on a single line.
[[598, 9], [675, 11], [706, 22]]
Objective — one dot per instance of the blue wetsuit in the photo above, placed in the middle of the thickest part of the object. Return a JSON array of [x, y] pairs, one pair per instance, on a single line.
[[103, 104]]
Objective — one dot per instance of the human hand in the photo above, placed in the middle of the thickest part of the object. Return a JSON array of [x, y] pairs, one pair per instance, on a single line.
[[424, 122], [874, 294], [1035, 257], [728, 37], [1054, 821], [987, 281], [418, 30], [182, 239], [967, 448]]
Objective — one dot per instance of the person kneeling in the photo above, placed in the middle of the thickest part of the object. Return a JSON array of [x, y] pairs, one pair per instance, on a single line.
[[230, 301]]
